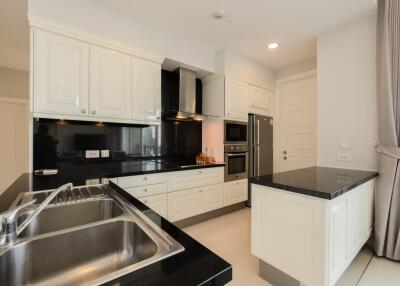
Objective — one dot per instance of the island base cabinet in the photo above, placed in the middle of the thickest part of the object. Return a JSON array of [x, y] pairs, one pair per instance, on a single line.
[[311, 239], [287, 232], [187, 203]]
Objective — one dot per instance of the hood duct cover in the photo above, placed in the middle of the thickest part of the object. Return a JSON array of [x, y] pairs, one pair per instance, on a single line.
[[187, 91], [181, 95]]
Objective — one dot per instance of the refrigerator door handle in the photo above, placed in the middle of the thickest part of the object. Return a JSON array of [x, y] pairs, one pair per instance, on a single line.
[[258, 160]]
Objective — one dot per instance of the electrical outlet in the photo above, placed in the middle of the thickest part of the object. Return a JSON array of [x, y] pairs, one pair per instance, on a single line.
[[90, 154], [105, 153], [92, 182], [344, 180], [344, 156]]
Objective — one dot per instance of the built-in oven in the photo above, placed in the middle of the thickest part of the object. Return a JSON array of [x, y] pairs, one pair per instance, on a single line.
[[235, 132], [236, 158]]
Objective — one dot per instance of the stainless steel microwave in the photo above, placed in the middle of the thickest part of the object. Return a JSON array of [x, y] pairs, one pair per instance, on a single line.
[[235, 132]]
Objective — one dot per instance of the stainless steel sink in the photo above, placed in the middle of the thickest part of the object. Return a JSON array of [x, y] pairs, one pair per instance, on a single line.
[[85, 242], [58, 217]]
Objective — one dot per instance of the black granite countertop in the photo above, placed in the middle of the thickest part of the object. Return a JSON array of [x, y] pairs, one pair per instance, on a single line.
[[29, 182], [196, 265], [321, 182]]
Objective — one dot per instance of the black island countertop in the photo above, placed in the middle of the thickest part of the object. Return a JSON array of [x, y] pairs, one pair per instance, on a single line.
[[196, 265], [321, 182]]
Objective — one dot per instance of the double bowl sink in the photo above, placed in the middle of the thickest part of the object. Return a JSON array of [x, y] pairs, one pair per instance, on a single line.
[[87, 240]]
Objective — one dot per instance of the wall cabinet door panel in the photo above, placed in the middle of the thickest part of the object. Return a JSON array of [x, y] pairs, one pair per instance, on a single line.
[[60, 74], [260, 101], [236, 93], [110, 83], [146, 90]]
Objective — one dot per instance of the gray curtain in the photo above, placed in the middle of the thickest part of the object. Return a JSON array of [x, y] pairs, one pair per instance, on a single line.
[[387, 198]]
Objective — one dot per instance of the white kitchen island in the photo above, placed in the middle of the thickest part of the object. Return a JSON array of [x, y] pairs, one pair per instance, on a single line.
[[311, 223]]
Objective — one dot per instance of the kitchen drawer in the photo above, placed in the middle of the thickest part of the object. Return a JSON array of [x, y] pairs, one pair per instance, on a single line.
[[183, 180], [235, 192], [157, 203], [150, 190], [141, 180], [187, 203]]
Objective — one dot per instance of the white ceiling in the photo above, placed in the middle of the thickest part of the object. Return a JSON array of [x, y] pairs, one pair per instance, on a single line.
[[249, 25], [14, 34]]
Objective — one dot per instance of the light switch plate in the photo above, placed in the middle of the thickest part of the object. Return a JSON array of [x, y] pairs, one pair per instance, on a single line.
[[344, 156], [90, 154]]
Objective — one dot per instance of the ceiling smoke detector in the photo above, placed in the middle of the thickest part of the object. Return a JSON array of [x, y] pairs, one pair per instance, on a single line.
[[219, 15]]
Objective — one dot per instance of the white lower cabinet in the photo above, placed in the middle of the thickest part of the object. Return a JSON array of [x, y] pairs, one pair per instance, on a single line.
[[182, 194], [157, 203], [235, 192], [149, 190], [187, 203], [183, 180], [311, 239], [141, 180]]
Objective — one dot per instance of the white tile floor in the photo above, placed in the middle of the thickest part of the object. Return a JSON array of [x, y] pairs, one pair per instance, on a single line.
[[229, 237]]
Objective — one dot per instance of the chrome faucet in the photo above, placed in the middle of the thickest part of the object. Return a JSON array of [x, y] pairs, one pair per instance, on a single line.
[[9, 230]]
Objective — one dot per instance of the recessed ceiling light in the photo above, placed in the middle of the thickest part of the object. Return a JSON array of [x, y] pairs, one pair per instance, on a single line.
[[273, 46]]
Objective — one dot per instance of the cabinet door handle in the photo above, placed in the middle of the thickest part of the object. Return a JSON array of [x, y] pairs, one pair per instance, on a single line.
[[144, 178], [93, 112], [83, 110]]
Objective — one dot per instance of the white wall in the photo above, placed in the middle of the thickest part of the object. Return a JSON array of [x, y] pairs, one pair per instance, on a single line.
[[346, 103], [94, 19], [14, 83], [297, 68], [242, 68]]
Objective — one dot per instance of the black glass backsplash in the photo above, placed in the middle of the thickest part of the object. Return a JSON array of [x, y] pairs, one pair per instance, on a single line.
[[63, 144], [181, 138]]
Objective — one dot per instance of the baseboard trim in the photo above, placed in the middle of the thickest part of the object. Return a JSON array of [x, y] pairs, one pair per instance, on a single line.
[[209, 215]]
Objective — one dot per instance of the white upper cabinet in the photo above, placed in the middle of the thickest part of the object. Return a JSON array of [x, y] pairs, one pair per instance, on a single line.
[[60, 74], [79, 79], [260, 101], [110, 83], [146, 90], [236, 93]]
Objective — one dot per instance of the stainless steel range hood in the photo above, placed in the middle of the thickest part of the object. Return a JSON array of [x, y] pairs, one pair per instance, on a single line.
[[186, 107]]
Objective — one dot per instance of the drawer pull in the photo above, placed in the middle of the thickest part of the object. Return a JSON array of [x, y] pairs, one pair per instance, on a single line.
[[145, 179], [145, 190], [238, 183], [200, 191], [200, 172]]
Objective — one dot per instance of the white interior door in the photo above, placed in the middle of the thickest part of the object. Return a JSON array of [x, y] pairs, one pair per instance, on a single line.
[[297, 128], [14, 140]]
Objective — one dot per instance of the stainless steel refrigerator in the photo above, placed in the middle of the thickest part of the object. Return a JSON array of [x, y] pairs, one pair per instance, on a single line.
[[260, 140]]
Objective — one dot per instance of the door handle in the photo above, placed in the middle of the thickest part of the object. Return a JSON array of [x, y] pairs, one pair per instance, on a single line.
[[284, 158]]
